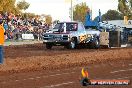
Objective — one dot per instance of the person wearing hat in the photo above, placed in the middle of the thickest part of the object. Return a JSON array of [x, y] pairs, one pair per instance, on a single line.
[[2, 33]]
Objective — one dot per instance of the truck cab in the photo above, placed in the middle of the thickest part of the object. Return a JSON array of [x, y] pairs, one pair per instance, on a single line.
[[68, 34]]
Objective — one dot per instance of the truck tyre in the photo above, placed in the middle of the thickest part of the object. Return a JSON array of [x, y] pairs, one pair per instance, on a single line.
[[48, 46], [96, 43], [72, 44]]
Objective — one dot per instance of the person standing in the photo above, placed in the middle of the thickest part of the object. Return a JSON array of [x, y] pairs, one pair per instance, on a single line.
[[2, 32]]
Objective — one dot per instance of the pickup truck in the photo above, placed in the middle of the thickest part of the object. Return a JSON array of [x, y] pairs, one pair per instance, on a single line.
[[70, 35]]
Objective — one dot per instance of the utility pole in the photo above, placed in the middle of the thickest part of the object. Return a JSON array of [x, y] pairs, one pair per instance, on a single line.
[[71, 10]]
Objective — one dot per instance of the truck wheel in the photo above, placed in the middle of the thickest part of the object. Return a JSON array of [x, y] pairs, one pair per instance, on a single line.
[[72, 44], [48, 46], [96, 43]]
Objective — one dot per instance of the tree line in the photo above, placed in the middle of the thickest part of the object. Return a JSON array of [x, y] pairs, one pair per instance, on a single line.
[[124, 9], [13, 7]]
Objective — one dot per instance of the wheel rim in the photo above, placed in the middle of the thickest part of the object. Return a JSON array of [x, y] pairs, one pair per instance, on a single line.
[[72, 44], [97, 43]]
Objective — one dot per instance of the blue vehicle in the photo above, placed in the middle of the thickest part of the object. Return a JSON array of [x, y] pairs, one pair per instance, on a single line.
[[89, 23]]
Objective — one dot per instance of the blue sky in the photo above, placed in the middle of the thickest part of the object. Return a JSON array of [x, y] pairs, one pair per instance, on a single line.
[[59, 9]]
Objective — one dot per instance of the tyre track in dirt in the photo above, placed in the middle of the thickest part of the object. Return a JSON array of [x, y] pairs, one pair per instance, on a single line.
[[25, 58], [69, 78]]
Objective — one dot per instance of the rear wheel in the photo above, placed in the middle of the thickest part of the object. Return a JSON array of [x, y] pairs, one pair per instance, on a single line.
[[48, 46], [95, 44]]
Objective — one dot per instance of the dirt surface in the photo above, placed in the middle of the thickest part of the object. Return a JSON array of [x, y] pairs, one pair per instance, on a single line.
[[36, 57], [33, 66]]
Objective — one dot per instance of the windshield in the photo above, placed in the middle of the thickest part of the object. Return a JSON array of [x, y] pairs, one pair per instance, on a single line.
[[69, 26], [59, 26]]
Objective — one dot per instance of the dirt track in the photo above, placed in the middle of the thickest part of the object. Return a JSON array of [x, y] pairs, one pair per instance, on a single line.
[[33, 66], [36, 57], [69, 78]]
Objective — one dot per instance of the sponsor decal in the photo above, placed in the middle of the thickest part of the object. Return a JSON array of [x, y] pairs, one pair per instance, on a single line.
[[85, 80]]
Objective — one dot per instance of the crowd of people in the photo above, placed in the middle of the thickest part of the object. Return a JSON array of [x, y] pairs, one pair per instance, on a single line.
[[16, 25]]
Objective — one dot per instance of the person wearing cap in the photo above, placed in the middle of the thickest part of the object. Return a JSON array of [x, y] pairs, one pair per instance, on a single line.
[[2, 33]]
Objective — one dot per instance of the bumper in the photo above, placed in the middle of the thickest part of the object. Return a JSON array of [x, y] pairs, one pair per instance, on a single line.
[[56, 42]]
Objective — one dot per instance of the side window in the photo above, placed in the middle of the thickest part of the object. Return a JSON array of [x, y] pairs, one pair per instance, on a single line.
[[71, 26], [75, 27]]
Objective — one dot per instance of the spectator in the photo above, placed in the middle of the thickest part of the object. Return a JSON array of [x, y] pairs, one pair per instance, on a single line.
[[16, 25], [1, 41], [5, 25]]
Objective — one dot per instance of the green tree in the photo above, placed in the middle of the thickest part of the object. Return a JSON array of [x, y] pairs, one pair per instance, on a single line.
[[7, 6], [79, 12], [48, 19], [30, 15], [125, 7], [16, 11], [112, 15], [23, 5], [131, 3]]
